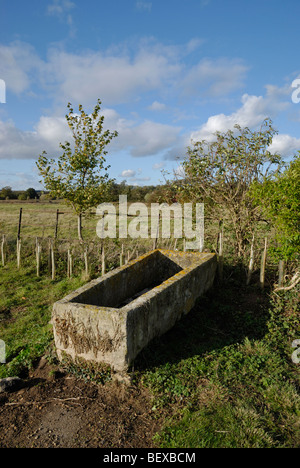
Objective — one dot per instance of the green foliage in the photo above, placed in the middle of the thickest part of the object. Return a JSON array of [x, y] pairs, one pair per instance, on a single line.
[[80, 174], [25, 312], [231, 382], [6, 193], [221, 172], [31, 193], [279, 198]]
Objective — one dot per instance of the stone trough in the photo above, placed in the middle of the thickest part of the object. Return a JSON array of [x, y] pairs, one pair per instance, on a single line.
[[112, 318]]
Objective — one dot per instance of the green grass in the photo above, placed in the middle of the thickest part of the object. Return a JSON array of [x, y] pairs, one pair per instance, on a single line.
[[25, 312], [222, 377], [225, 375]]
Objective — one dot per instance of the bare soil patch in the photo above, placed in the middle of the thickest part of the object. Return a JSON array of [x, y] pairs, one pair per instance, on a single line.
[[57, 410]]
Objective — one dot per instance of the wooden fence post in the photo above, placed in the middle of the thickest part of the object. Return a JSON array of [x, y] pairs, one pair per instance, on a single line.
[[3, 250], [19, 225], [38, 256], [157, 232], [52, 260], [86, 261], [49, 256], [263, 265], [220, 256], [70, 264], [103, 262], [56, 224]]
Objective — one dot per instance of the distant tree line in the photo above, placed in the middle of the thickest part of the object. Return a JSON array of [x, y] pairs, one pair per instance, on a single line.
[[6, 193], [147, 193]]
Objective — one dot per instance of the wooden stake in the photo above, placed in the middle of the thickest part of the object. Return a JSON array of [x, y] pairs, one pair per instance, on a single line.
[[157, 233], [49, 256], [86, 261], [281, 268], [3, 250], [18, 253], [70, 264], [52, 261], [221, 258], [103, 262], [38, 257], [251, 262]]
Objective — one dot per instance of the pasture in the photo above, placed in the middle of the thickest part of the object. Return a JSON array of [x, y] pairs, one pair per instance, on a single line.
[[222, 377]]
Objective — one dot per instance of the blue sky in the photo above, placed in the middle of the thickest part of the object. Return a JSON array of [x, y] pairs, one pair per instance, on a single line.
[[167, 72]]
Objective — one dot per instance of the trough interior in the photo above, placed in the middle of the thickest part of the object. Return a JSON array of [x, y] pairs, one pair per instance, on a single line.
[[120, 288]]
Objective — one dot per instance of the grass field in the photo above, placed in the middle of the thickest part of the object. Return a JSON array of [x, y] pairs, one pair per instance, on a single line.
[[223, 375]]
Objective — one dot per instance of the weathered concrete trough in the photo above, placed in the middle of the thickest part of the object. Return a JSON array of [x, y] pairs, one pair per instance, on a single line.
[[112, 318]]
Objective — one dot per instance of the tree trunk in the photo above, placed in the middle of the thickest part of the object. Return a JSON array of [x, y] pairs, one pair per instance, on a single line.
[[79, 228]]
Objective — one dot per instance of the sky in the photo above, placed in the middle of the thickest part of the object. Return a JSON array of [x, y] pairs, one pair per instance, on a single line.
[[167, 72]]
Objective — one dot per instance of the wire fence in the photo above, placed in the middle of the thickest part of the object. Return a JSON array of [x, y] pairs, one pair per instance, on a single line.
[[48, 238]]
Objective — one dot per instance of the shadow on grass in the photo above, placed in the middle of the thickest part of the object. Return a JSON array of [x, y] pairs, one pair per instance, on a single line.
[[226, 315]]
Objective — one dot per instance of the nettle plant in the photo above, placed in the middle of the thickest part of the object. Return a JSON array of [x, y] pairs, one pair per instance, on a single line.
[[79, 175]]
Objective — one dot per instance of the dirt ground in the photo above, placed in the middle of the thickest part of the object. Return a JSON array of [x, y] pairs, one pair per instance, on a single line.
[[60, 411]]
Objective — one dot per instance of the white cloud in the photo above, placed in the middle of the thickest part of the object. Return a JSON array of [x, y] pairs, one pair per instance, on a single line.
[[179, 172], [60, 7], [116, 78], [144, 6], [157, 106], [253, 111], [146, 66], [53, 130], [118, 74], [19, 144], [62, 10], [128, 173], [214, 77], [144, 138], [132, 176], [19, 65], [20, 180], [158, 166], [285, 145]]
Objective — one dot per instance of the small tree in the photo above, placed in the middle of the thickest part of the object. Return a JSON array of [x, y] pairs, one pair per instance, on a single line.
[[221, 172], [31, 193], [79, 176], [7, 193]]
